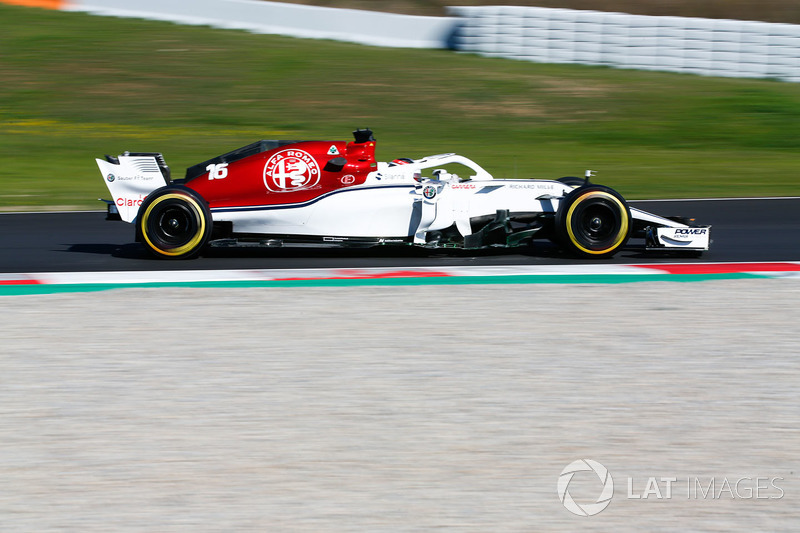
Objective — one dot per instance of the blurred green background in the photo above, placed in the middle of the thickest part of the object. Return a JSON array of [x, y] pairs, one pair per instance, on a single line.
[[75, 87]]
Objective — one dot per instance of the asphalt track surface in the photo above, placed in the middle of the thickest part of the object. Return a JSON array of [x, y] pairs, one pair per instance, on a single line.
[[743, 230]]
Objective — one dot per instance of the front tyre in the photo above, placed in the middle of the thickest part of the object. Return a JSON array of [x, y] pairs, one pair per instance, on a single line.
[[572, 181], [593, 221], [174, 222]]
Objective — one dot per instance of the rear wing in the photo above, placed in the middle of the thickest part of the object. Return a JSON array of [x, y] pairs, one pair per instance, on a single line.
[[130, 177]]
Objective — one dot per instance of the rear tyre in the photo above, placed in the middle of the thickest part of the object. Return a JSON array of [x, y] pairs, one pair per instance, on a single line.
[[174, 222], [593, 221]]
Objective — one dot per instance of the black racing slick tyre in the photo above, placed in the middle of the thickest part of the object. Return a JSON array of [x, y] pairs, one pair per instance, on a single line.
[[572, 181], [174, 222], [593, 221]]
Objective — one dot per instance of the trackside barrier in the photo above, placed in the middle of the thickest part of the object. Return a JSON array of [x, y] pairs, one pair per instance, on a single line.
[[46, 4], [363, 27], [709, 47]]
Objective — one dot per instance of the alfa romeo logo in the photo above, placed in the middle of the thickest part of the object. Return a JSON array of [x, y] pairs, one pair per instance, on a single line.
[[586, 509], [291, 170], [110, 178], [429, 192]]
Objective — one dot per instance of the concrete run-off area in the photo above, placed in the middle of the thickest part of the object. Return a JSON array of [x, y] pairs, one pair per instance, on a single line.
[[400, 408]]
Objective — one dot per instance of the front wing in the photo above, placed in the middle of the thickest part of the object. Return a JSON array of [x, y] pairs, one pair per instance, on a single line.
[[689, 238], [668, 234]]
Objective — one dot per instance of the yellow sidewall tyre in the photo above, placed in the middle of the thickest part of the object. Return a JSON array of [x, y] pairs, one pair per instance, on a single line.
[[593, 221], [174, 222]]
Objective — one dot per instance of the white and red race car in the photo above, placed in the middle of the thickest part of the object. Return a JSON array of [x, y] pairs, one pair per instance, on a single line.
[[334, 193]]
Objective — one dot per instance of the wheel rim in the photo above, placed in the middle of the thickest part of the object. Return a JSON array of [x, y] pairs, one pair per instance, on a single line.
[[597, 223], [175, 225]]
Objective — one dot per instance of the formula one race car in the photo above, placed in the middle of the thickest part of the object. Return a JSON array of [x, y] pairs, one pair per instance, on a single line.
[[334, 193]]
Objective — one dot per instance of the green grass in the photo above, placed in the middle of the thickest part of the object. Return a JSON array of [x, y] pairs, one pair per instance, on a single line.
[[74, 87]]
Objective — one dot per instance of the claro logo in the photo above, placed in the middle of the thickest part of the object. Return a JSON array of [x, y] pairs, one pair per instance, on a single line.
[[130, 202], [691, 231]]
